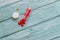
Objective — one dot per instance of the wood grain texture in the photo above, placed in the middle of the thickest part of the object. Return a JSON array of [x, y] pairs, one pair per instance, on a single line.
[[42, 31], [6, 12], [44, 13], [4, 3]]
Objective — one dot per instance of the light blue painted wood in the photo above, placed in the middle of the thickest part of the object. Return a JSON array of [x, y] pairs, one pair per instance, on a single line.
[[6, 12], [11, 25], [46, 31], [1, 0], [6, 2]]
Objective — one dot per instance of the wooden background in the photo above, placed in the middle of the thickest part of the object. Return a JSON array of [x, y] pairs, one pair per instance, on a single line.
[[43, 23]]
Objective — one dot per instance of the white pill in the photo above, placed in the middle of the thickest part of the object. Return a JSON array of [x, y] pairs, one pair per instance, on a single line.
[[15, 15]]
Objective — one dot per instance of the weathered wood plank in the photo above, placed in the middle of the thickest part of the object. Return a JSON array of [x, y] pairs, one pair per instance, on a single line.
[[7, 2], [6, 12], [44, 13], [43, 31]]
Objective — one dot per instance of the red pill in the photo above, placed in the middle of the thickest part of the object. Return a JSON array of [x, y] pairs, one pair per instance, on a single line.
[[26, 15]]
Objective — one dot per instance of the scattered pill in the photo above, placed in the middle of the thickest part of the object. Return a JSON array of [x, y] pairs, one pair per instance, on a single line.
[[15, 15], [27, 35], [26, 14]]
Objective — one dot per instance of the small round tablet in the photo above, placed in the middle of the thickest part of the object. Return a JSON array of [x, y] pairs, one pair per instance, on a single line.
[[15, 15]]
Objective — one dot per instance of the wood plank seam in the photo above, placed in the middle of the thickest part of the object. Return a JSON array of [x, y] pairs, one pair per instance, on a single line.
[[55, 38], [11, 4], [32, 9], [29, 27]]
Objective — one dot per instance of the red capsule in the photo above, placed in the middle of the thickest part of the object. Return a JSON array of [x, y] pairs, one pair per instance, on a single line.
[[26, 14]]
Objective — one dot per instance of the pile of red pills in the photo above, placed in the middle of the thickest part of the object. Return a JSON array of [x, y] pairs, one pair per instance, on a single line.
[[22, 22]]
